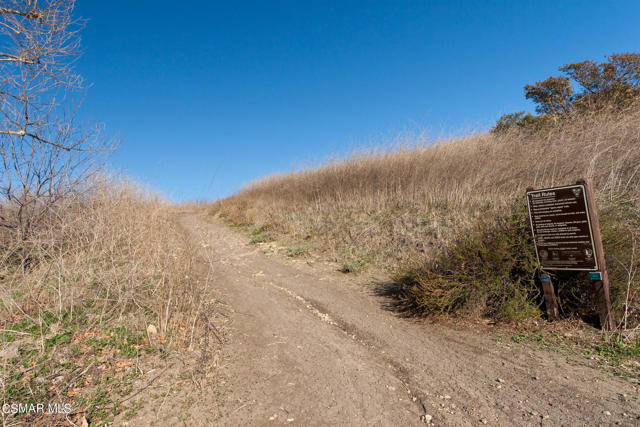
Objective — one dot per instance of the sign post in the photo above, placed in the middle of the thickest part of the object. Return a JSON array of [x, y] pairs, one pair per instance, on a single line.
[[566, 232], [549, 296], [600, 281]]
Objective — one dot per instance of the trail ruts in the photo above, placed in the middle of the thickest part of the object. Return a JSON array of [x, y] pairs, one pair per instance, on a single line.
[[309, 345]]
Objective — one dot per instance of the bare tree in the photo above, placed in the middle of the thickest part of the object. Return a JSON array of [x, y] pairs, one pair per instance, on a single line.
[[44, 156], [40, 42]]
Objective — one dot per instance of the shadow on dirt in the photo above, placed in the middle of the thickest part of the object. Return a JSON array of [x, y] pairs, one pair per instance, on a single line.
[[390, 296]]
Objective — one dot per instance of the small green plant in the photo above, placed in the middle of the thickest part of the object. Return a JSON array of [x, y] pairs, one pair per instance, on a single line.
[[297, 251], [349, 267], [133, 410], [58, 339], [520, 337], [258, 239], [354, 264], [613, 349], [34, 327], [99, 404], [124, 340]]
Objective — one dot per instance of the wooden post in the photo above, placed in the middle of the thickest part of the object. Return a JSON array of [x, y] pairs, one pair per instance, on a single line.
[[607, 320], [550, 302]]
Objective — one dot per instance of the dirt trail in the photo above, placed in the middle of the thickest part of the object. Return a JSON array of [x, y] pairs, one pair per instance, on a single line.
[[309, 345]]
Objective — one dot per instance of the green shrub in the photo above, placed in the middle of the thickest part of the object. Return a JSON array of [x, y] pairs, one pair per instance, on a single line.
[[259, 236], [297, 251], [258, 239], [490, 268], [620, 228], [522, 121]]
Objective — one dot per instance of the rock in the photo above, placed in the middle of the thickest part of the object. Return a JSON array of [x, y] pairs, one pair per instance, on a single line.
[[500, 380], [484, 421], [607, 413], [446, 396], [427, 418], [152, 330]]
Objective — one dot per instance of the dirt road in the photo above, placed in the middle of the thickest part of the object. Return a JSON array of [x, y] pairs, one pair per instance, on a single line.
[[311, 345]]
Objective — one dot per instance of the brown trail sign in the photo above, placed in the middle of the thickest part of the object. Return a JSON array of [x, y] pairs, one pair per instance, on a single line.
[[566, 232]]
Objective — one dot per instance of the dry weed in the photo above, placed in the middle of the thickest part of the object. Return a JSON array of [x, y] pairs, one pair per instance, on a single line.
[[111, 278]]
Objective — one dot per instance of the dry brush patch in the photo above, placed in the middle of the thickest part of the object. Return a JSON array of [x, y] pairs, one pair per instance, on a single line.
[[450, 218], [113, 287]]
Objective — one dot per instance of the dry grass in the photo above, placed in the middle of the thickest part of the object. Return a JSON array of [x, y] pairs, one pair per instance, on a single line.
[[411, 205], [104, 265]]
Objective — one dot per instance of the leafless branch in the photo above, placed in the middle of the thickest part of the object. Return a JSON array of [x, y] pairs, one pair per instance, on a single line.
[[44, 155]]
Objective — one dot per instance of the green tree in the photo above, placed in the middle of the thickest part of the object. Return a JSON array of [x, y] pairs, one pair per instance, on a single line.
[[553, 95], [614, 83]]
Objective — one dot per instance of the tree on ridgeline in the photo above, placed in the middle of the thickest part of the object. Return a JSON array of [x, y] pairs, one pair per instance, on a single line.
[[613, 84]]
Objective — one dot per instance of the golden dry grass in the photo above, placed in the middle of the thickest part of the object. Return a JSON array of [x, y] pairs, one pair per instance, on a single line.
[[383, 205], [104, 266], [117, 246], [405, 209]]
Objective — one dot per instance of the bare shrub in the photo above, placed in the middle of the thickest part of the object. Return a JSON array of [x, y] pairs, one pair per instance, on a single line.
[[113, 277], [44, 153], [115, 249]]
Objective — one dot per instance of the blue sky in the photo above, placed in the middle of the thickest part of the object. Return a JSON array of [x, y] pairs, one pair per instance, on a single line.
[[207, 96]]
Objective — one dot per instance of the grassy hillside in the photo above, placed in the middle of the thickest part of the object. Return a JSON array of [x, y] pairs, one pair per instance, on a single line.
[[112, 287], [450, 219]]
